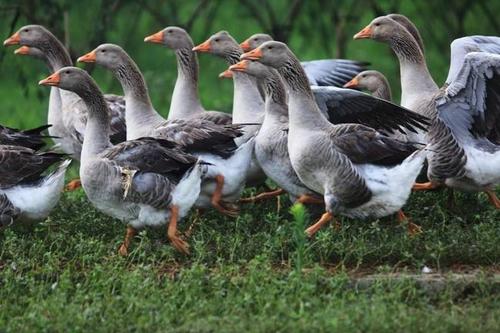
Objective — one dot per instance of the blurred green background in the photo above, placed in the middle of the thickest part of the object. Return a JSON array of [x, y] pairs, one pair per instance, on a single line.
[[314, 29]]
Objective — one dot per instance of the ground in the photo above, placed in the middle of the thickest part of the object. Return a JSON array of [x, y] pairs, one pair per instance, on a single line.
[[256, 273]]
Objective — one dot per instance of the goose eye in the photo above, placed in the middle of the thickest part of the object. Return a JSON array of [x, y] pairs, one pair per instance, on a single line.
[[216, 40], [67, 72], [377, 24], [169, 31], [270, 47], [26, 30], [103, 51]]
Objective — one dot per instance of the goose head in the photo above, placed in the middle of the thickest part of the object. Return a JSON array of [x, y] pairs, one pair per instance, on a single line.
[[69, 78], [30, 51], [221, 44], [369, 80], [383, 29], [109, 56], [255, 41], [274, 54], [253, 68], [30, 35], [172, 37]]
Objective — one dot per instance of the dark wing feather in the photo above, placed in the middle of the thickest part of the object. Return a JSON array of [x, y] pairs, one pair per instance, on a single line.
[[216, 117], [20, 165], [32, 138], [365, 145], [332, 72], [349, 106], [116, 105], [470, 106]]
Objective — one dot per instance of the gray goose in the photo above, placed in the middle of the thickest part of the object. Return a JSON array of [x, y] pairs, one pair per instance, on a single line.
[[464, 138], [360, 172], [67, 112], [373, 81], [27, 193], [324, 72], [185, 99], [248, 100], [32, 138], [225, 178], [142, 182]]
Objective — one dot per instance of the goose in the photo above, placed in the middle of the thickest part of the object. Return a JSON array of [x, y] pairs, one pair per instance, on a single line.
[[324, 72], [32, 138], [27, 193], [248, 101], [67, 113], [215, 144], [464, 138], [360, 172], [142, 182], [185, 99], [373, 81]]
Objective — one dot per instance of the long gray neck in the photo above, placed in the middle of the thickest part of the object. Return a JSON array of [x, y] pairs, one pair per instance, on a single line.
[[54, 116], [185, 98], [302, 108], [383, 90], [275, 95], [232, 55], [140, 115], [97, 131], [416, 80], [56, 54]]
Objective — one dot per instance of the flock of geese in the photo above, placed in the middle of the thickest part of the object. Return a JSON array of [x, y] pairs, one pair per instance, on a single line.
[[353, 153]]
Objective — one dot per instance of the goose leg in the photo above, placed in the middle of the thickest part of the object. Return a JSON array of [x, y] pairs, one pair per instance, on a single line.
[[73, 185], [263, 196], [216, 198], [123, 250], [325, 218], [413, 229], [425, 186], [493, 198], [176, 241], [305, 198]]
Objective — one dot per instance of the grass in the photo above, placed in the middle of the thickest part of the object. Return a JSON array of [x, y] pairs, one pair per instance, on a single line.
[[256, 273]]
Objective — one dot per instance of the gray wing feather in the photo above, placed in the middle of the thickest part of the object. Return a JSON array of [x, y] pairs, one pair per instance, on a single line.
[[332, 72]]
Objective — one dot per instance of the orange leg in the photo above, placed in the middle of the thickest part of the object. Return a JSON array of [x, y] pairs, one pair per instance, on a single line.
[[73, 185], [176, 241], [493, 198], [263, 196], [325, 218], [123, 250], [413, 229], [305, 198], [216, 198], [425, 186]]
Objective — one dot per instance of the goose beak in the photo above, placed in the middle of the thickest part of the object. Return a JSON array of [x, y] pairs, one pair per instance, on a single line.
[[23, 50], [240, 66], [156, 38], [203, 47], [352, 84], [227, 74], [15, 39], [52, 80], [246, 46], [365, 33], [255, 54], [89, 57]]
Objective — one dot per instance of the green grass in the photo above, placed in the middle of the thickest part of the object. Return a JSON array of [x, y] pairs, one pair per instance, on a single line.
[[256, 273]]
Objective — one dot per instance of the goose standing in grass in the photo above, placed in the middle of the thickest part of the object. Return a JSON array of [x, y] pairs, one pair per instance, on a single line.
[[67, 113], [26, 194], [360, 172], [324, 72], [225, 177], [373, 81], [32, 138], [185, 102], [248, 100], [464, 139], [142, 182]]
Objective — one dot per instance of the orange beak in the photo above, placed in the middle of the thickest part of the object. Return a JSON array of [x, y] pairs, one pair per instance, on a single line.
[[89, 57], [23, 50], [203, 47], [156, 38], [15, 39], [365, 33], [227, 74], [240, 66], [352, 84], [246, 46], [252, 55], [52, 80]]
